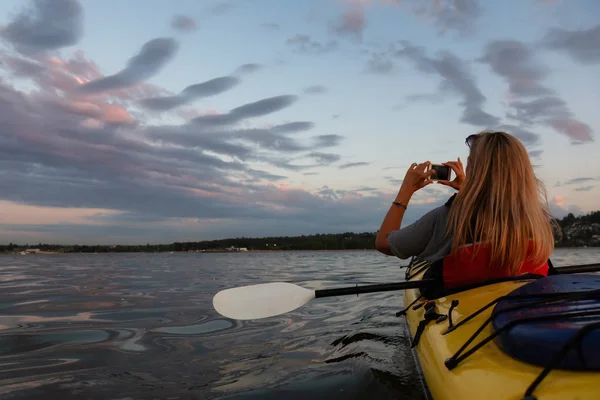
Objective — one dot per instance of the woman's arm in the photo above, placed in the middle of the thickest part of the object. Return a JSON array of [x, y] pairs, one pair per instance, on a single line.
[[392, 221], [416, 178]]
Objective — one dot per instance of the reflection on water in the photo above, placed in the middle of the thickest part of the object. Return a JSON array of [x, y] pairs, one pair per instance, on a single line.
[[130, 326]]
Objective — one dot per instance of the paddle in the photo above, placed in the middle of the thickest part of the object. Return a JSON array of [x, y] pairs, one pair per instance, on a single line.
[[573, 269], [269, 299]]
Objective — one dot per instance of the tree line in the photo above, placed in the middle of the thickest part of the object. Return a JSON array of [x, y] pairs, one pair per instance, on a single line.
[[575, 231]]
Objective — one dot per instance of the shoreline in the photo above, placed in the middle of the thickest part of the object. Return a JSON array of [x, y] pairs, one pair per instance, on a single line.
[[229, 252]]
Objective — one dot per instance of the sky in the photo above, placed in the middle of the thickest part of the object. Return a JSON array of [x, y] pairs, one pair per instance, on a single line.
[[148, 121]]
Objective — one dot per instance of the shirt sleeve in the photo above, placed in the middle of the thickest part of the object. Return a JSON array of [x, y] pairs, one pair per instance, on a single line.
[[413, 239]]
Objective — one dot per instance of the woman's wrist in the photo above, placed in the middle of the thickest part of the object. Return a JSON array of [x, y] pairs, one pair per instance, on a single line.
[[404, 195]]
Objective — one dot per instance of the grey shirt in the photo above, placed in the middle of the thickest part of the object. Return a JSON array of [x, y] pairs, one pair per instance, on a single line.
[[425, 238]]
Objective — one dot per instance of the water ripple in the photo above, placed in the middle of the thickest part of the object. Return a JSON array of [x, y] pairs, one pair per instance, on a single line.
[[131, 326]]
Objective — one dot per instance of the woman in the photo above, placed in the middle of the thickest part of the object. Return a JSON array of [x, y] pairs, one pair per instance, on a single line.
[[497, 225]]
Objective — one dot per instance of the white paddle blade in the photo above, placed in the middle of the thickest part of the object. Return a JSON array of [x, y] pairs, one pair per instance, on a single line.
[[261, 301]]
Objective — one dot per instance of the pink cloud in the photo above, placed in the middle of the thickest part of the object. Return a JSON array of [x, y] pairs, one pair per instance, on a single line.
[[352, 21], [576, 130], [558, 200], [22, 214], [115, 114]]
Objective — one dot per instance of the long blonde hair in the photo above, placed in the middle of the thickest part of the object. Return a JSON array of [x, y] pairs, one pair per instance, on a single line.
[[502, 204]]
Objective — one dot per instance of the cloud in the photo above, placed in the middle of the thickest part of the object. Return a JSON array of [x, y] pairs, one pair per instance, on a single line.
[[315, 89], [514, 61], [50, 157], [323, 141], [351, 23], [456, 79], [222, 8], [152, 57], [183, 23], [353, 165], [535, 153], [247, 69], [324, 158], [380, 64], [305, 44], [581, 45], [250, 110], [271, 25], [458, 15], [558, 210], [584, 189], [447, 15], [293, 127], [46, 25], [532, 103], [580, 180], [211, 87]]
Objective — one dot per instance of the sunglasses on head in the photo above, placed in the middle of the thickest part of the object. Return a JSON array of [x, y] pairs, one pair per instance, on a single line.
[[470, 140]]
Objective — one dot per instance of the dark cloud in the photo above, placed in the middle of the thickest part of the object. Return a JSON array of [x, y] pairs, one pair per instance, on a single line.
[[324, 158], [250, 110], [248, 69], [581, 45], [584, 189], [380, 64], [183, 23], [456, 79], [310, 173], [580, 180], [50, 157], [353, 165], [323, 141], [148, 62], [458, 15], [46, 25], [245, 144], [271, 25], [535, 153], [315, 89], [515, 62], [293, 127], [205, 89], [305, 44]]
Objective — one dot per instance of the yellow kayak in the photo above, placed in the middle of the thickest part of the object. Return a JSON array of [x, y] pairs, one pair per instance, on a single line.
[[533, 320]]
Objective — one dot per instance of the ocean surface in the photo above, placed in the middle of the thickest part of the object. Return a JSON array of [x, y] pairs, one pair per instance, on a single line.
[[142, 326]]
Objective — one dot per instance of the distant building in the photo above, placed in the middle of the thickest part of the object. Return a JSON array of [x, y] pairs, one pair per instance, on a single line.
[[231, 248]]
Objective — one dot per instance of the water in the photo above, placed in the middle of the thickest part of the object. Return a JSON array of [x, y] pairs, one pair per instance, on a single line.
[[142, 326]]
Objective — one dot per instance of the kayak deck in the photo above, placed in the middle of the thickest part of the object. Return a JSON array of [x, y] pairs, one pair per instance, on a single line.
[[488, 373]]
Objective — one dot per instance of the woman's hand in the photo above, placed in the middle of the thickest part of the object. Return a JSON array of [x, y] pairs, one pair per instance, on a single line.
[[457, 167], [417, 177]]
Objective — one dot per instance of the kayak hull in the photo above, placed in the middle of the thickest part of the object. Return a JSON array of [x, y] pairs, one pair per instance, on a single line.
[[488, 373]]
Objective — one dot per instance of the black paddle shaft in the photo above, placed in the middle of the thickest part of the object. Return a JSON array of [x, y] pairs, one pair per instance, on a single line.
[[385, 287], [578, 269]]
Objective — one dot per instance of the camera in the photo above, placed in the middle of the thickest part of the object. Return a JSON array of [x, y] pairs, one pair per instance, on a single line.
[[442, 172]]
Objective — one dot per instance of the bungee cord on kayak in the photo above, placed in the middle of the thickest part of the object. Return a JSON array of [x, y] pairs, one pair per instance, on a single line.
[[559, 313], [576, 339]]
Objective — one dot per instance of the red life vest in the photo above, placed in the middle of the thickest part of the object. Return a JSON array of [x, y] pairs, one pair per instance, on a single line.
[[460, 268]]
